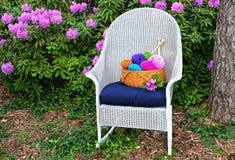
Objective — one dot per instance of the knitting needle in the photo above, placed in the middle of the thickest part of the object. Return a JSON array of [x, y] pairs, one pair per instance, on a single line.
[[155, 49]]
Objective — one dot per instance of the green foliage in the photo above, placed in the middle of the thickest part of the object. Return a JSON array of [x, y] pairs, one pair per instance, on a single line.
[[63, 145], [158, 82], [207, 131], [48, 60], [66, 145], [119, 144], [197, 26], [199, 112]]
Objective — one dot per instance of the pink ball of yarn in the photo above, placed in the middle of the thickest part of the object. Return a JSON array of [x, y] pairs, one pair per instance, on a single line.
[[147, 65], [158, 61]]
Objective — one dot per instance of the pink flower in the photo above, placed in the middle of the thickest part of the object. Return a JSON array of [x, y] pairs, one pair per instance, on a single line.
[[74, 8], [150, 85], [198, 3], [83, 7], [91, 23], [160, 5], [44, 22], [22, 35], [145, 1], [26, 8], [14, 28], [87, 69], [2, 41], [55, 16], [95, 59], [7, 68], [7, 18], [99, 45], [72, 33], [105, 32], [213, 3], [24, 17], [177, 7], [210, 65], [80, 7], [94, 10]]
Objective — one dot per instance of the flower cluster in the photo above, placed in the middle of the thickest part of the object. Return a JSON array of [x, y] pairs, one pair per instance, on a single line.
[[160, 5], [213, 3], [178, 6], [41, 17], [198, 3], [154, 83], [7, 18], [78, 7], [99, 47], [210, 65], [88, 68], [2, 41], [26, 8], [91, 23], [145, 1], [7, 68], [44, 18], [72, 33]]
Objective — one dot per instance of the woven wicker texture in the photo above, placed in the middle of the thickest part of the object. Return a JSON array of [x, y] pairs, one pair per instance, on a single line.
[[133, 32], [137, 78], [130, 117]]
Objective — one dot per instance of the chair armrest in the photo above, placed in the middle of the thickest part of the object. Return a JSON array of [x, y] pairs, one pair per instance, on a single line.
[[96, 74], [169, 91], [176, 75]]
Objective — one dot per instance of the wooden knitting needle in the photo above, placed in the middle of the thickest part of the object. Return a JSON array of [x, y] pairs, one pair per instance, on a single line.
[[159, 44]]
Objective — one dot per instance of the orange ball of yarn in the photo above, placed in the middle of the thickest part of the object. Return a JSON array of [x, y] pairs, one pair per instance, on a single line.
[[125, 63]]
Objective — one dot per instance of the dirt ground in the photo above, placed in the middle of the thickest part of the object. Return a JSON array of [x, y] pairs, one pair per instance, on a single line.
[[153, 143]]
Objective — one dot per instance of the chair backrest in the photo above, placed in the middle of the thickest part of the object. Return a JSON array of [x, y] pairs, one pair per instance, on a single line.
[[137, 31]]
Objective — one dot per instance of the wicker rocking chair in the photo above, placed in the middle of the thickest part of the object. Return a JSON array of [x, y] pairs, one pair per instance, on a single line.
[[136, 31]]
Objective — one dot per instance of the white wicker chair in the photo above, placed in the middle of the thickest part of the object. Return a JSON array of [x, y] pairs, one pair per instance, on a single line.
[[137, 31]]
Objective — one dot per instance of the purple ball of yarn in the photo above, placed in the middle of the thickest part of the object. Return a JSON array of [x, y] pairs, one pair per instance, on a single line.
[[138, 58]]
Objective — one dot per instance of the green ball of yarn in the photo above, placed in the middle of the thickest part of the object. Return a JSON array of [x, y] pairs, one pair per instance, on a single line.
[[147, 55]]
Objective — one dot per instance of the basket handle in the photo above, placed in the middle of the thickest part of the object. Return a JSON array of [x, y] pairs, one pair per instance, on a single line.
[[160, 42]]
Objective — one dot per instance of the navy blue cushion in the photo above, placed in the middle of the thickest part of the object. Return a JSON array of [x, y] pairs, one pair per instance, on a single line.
[[118, 93]]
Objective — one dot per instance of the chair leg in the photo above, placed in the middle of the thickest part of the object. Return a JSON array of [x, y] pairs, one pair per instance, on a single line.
[[103, 139], [169, 141], [99, 130], [169, 130]]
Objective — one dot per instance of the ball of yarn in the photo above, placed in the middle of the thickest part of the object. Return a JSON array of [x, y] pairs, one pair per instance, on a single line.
[[147, 55], [134, 67], [158, 61], [147, 65], [125, 63], [138, 58]]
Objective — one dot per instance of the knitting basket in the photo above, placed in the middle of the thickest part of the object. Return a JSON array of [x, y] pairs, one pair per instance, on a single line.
[[137, 78]]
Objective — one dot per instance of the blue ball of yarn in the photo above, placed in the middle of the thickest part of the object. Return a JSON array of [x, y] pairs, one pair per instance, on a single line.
[[138, 58], [134, 67]]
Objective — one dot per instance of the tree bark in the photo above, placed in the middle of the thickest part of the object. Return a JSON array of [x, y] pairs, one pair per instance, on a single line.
[[222, 96]]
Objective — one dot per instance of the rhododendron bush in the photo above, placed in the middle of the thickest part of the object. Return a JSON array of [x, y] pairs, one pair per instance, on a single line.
[[51, 45]]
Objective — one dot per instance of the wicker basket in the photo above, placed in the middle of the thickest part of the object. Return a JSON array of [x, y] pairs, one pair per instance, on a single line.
[[137, 78]]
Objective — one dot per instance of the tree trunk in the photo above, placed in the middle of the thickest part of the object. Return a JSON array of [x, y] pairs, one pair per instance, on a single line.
[[222, 96]]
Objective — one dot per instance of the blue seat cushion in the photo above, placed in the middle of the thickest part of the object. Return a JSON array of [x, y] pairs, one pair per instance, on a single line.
[[118, 93]]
